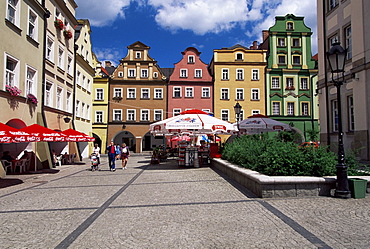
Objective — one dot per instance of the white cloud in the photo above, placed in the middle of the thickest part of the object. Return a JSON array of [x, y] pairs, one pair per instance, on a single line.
[[108, 54], [101, 13]]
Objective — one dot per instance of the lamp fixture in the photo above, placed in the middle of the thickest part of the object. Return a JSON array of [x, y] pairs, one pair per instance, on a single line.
[[65, 118]]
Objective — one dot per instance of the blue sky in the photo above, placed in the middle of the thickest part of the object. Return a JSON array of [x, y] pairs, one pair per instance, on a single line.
[[170, 26]]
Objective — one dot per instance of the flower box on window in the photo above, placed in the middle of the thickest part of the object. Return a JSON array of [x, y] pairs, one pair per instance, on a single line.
[[13, 90], [67, 34], [118, 98], [32, 98], [59, 24], [289, 88]]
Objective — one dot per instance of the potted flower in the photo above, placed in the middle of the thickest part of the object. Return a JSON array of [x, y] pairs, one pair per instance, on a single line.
[[68, 34], [59, 24], [32, 98], [13, 90]]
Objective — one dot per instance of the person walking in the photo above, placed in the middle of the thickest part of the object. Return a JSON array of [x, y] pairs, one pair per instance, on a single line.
[[112, 156], [96, 150], [125, 153]]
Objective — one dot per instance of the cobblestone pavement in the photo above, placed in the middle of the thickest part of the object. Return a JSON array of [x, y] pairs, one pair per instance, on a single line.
[[164, 206]]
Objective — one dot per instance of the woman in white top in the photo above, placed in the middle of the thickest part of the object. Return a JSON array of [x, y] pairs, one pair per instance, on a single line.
[[125, 153], [96, 150]]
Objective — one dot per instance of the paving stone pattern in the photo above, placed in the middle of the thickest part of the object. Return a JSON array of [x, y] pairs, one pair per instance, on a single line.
[[164, 206]]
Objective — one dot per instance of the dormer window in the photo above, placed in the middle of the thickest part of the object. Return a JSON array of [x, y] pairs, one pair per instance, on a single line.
[[120, 74], [155, 75], [290, 26], [183, 73], [281, 42], [191, 59], [239, 57], [137, 55]]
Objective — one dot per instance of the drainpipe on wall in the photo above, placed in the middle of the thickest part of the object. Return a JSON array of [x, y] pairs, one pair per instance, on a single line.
[[312, 107], [74, 96]]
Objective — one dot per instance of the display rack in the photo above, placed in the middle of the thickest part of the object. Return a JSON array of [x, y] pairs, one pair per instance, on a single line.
[[182, 149]]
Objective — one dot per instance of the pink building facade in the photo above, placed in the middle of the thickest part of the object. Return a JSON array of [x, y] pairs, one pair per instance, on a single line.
[[190, 85]]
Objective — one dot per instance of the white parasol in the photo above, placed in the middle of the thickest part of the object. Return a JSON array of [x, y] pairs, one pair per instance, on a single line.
[[259, 123]]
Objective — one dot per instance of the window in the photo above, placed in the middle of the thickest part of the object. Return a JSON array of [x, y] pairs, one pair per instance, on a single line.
[[99, 116], [158, 115], [69, 65], [296, 60], [131, 73], [117, 115], [50, 49], [296, 42], [155, 75], [83, 110], [332, 40], [99, 94], [144, 115], [304, 109], [290, 108], [275, 84], [31, 81], [78, 78], [304, 83], [239, 94], [177, 92], [59, 98], [120, 74], [117, 92], [225, 115], [48, 93], [334, 106], [255, 112], [289, 83], [32, 25], [158, 93], [82, 50], [290, 26], [239, 74], [144, 73], [88, 84], [206, 92], [275, 108], [68, 101], [87, 113], [239, 56], [281, 59], [225, 74], [137, 55], [13, 11], [61, 58], [224, 93], [176, 112], [348, 33], [281, 42], [84, 81], [351, 114], [198, 73], [189, 92], [131, 115], [183, 73], [145, 93], [131, 93], [77, 111], [333, 4], [255, 94], [255, 74], [191, 59], [11, 71]]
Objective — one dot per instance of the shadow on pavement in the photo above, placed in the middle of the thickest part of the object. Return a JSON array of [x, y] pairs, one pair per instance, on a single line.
[[4, 183]]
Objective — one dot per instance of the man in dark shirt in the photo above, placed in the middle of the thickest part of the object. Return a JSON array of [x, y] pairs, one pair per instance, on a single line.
[[112, 156]]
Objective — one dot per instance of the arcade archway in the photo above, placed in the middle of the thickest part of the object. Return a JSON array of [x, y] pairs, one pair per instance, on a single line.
[[125, 137]]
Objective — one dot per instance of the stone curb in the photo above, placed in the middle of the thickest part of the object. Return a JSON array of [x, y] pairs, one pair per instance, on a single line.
[[279, 186]]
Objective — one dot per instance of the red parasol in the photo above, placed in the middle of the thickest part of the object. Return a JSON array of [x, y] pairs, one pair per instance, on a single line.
[[43, 134], [10, 134], [76, 136]]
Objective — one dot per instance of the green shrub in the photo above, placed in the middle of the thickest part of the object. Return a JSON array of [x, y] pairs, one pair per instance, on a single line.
[[276, 157]]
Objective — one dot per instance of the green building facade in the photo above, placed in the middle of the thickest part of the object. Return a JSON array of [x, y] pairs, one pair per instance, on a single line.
[[291, 75]]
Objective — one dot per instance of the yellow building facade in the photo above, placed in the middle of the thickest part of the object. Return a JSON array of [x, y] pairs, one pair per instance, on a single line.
[[239, 77]]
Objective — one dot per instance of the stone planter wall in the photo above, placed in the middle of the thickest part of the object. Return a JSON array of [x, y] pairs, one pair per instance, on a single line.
[[279, 186]]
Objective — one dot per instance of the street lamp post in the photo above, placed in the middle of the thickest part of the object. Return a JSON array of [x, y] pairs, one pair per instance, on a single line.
[[237, 109], [337, 57]]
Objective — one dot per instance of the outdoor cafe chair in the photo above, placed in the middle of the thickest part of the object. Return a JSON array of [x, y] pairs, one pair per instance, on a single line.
[[21, 164], [7, 165]]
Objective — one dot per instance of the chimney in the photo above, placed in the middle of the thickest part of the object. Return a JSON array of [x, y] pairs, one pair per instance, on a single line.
[[254, 46], [108, 64], [265, 34]]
